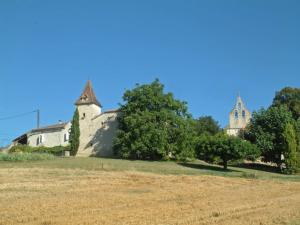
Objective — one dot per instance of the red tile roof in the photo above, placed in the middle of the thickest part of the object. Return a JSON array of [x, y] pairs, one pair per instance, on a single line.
[[88, 96]]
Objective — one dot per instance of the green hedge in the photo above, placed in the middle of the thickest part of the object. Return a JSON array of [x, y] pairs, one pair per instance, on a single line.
[[57, 150], [19, 156]]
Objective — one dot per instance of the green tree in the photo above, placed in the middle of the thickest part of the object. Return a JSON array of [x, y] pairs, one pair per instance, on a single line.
[[153, 125], [225, 148], [266, 130], [290, 155], [289, 97], [298, 135], [74, 134], [207, 125]]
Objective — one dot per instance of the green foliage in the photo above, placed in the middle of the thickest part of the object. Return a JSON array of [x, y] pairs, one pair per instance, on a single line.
[[289, 97], [297, 129], [290, 149], [225, 148], [207, 125], [153, 125], [74, 134], [57, 150], [266, 130], [19, 156]]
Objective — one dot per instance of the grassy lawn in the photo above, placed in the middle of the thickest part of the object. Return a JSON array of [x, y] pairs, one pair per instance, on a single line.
[[168, 168]]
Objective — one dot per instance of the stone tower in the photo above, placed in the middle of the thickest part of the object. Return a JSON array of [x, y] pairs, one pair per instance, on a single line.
[[88, 107], [87, 104], [239, 117]]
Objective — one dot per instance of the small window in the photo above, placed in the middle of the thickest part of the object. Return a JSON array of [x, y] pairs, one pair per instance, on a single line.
[[244, 114], [240, 106], [84, 98], [39, 139], [83, 115], [66, 137], [236, 114]]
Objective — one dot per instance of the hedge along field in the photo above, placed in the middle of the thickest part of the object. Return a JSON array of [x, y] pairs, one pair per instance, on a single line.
[[57, 150], [19, 156]]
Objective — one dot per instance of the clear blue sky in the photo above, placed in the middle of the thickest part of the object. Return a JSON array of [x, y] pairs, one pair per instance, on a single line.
[[205, 52]]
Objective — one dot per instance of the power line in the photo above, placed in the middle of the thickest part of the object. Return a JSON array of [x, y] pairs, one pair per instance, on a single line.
[[18, 115]]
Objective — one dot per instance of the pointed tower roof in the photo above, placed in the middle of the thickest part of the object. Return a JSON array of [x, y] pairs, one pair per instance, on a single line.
[[88, 96], [239, 105]]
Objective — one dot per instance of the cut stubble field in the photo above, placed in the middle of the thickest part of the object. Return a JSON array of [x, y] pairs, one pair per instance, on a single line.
[[99, 191]]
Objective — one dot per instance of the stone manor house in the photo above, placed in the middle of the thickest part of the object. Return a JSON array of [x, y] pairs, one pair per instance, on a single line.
[[98, 129]]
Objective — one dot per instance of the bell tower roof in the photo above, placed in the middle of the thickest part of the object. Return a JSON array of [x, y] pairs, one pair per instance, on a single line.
[[239, 105], [88, 96]]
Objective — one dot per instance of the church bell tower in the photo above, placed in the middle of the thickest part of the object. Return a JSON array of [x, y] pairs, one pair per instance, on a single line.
[[239, 117]]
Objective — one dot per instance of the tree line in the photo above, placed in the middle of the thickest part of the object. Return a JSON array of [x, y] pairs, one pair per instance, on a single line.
[[153, 125]]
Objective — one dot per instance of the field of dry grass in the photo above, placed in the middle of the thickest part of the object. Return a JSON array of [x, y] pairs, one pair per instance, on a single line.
[[65, 196]]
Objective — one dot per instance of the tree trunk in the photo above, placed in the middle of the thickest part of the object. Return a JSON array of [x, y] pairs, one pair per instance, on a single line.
[[225, 164]]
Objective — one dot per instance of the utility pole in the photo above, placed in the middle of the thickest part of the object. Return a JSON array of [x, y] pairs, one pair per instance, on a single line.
[[37, 118]]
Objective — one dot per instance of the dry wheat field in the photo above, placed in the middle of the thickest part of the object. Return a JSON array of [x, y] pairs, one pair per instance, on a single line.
[[49, 196]]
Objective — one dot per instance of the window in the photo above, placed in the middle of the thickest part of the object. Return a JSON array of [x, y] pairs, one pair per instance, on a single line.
[[240, 106], [236, 114], [83, 115], [39, 139], [244, 114], [84, 98], [66, 137]]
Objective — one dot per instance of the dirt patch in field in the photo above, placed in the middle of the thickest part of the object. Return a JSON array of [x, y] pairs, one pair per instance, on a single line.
[[57, 196]]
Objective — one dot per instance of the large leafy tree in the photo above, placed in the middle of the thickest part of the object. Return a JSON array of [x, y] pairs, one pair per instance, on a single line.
[[153, 125], [289, 97], [226, 148], [207, 125], [74, 134], [266, 130]]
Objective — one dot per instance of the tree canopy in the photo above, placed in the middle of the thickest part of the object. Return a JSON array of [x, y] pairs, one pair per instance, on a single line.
[[266, 130], [153, 125], [207, 125], [289, 97], [224, 147]]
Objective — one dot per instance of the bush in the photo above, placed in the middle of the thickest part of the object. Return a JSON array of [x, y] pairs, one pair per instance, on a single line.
[[224, 148], [19, 156], [57, 150]]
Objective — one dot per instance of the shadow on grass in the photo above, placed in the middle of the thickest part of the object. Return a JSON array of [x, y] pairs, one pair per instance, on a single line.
[[104, 157], [129, 159], [207, 167], [258, 166]]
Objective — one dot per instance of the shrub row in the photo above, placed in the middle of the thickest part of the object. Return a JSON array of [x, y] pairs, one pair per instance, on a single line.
[[19, 156], [57, 150]]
